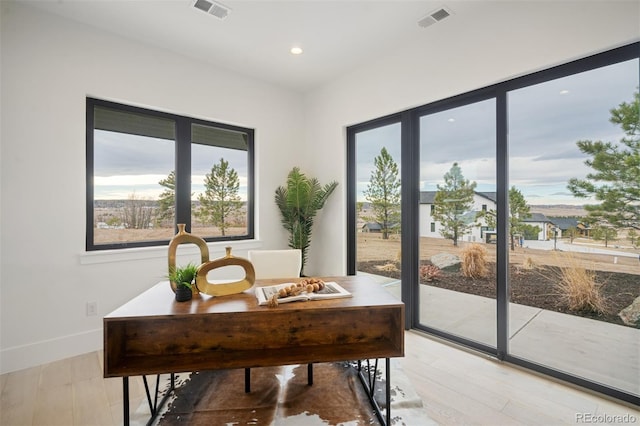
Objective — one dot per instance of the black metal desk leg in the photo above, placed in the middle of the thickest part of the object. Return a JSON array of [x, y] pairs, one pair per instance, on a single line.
[[369, 379], [125, 401], [388, 379]]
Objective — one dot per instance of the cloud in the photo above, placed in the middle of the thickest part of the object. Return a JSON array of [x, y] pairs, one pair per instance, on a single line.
[[124, 164], [544, 123]]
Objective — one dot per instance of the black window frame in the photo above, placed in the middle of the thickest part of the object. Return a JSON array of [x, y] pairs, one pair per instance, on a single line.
[[182, 160]]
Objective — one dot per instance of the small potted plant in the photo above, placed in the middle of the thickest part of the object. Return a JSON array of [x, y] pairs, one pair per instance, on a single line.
[[183, 278]]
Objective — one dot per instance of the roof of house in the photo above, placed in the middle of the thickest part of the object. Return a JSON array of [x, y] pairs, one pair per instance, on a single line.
[[537, 217], [372, 226], [564, 223], [427, 197]]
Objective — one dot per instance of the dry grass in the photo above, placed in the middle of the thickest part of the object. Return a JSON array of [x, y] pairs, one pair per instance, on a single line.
[[389, 267], [528, 264], [105, 236], [474, 261], [578, 287], [371, 246]]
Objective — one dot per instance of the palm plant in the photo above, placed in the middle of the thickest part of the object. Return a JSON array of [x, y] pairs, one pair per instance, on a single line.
[[299, 203]]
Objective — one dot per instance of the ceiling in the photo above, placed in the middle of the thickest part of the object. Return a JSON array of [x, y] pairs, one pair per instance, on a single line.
[[255, 38]]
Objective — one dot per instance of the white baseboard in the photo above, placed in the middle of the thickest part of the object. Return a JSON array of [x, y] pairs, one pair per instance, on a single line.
[[43, 352]]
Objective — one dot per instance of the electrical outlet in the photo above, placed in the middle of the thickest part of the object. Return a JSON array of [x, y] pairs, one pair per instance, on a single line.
[[92, 309]]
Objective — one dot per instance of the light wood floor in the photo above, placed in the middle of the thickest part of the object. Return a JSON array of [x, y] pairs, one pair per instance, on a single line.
[[457, 387]]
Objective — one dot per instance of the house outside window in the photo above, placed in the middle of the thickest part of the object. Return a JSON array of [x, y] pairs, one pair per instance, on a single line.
[[147, 171]]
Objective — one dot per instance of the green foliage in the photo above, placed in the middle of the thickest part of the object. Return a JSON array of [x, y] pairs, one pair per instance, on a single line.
[[632, 235], [384, 192], [184, 275], [113, 221], [604, 233], [530, 232], [615, 181], [572, 232], [299, 202], [167, 199], [453, 203], [519, 210], [220, 202]]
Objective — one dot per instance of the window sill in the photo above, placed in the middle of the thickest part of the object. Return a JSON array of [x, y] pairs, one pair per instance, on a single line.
[[216, 250]]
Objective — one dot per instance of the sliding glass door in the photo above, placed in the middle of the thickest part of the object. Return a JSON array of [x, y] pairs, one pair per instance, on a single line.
[[457, 215], [574, 148], [520, 219], [377, 233]]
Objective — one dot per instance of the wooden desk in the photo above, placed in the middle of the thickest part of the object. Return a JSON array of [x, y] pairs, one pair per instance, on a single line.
[[154, 334]]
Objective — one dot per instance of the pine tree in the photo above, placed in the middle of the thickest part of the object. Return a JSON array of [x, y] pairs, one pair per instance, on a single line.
[[453, 203], [167, 200], [220, 201], [383, 192], [519, 210], [615, 181]]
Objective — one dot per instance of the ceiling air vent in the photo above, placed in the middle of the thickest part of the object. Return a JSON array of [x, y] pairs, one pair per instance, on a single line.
[[433, 17], [214, 8]]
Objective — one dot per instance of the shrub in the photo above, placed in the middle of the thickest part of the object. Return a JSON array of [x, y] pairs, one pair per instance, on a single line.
[[474, 261], [528, 264], [578, 287], [429, 273]]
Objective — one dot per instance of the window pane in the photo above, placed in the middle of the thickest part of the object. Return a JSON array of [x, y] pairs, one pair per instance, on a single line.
[[457, 262], [378, 224], [132, 156], [219, 182], [578, 267]]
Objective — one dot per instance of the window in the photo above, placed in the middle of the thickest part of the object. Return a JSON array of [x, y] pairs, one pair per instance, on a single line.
[[433, 227], [149, 170]]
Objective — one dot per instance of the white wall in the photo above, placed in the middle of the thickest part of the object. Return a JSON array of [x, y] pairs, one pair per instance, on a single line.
[[49, 66], [459, 54]]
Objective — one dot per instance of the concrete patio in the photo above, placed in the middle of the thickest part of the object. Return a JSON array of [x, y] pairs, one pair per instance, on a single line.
[[598, 351]]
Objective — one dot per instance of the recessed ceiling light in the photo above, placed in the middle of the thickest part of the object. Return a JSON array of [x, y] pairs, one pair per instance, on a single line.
[[564, 92], [451, 120], [296, 50]]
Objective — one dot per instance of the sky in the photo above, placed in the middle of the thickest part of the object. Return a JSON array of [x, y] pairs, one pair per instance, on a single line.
[[545, 122], [125, 164]]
